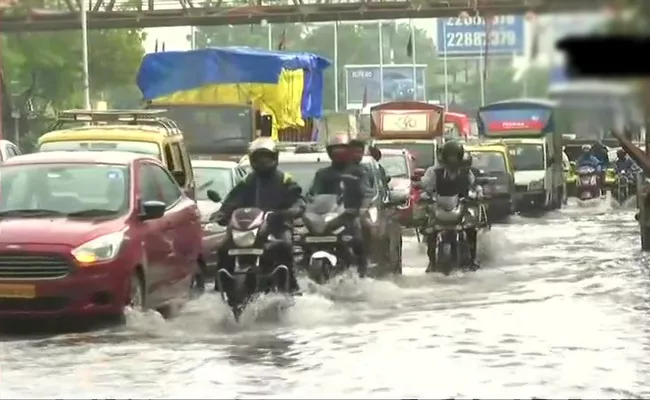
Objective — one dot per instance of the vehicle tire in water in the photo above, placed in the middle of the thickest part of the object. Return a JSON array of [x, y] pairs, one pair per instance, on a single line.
[[399, 262], [197, 287], [316, 271], [136, 299]]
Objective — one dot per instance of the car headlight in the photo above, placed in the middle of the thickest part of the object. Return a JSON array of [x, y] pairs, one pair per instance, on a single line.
[[244, 238], [373, 214], [101, 249]]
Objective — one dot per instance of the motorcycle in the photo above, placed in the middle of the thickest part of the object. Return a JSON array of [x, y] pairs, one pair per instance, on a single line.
[[450, 217], [625, 186], [326, 246], [587, 187], [253, 273]]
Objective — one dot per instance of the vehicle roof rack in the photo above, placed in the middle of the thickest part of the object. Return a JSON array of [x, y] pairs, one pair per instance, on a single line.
[[151, 117]]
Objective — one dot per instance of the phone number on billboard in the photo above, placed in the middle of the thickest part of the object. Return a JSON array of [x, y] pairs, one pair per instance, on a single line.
[[473, 39], [499, 20]]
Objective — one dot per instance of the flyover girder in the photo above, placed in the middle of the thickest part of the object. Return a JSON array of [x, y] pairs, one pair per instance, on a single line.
[[103, 14]]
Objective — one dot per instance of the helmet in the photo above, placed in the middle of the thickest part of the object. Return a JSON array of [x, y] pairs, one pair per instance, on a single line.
[[358, 147], [375, 152], [263, 155], [452, 153], [357, 142], [620, 153], [585, 148], [338, 148], [467, 160]]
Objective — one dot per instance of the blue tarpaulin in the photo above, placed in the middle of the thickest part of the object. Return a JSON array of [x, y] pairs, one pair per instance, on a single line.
[[162, 74]]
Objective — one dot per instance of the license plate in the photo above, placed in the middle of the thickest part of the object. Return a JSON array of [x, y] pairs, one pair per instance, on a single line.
[[321, 239], [17, 291], [587, 195], [245, 252]]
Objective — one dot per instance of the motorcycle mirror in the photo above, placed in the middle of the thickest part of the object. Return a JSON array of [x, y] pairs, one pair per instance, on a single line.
[[214, 196]]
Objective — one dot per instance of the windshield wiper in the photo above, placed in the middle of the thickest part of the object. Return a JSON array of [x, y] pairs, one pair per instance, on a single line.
[[92, 212], [205, 184], [30, 212]]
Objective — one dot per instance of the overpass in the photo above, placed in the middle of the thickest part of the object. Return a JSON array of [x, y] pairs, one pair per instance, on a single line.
[[31, 15]]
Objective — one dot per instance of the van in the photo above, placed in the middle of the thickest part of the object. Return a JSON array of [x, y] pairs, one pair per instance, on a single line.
[[135, 131]]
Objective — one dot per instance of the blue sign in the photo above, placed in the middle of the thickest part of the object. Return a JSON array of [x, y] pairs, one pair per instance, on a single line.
[[465, 37], [362, 82]]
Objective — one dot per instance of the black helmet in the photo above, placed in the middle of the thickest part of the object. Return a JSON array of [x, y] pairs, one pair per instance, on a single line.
[[357, 142], [452, 150], [263, 155], [620, 153]]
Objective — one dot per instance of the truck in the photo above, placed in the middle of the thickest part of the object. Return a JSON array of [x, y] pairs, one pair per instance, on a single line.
[[415, 126], [527, 128]]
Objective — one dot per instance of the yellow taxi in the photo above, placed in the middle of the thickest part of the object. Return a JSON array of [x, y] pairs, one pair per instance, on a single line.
[[495, 176], [134, 131]]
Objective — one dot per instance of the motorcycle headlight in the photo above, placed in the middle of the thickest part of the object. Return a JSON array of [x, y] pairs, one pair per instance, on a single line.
[[330, 216], [101, 249], [244, 238], [373, 214]]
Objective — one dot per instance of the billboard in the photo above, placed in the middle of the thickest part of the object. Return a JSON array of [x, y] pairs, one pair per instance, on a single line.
[[465, 37], [398, 83]]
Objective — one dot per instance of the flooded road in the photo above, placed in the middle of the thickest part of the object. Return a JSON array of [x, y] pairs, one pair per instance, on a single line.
[[559, 310]]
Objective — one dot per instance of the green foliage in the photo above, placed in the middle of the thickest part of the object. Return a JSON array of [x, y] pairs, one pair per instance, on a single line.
[[54, 62]]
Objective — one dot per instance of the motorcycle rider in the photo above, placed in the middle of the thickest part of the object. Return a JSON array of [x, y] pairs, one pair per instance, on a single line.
[[624, 162], [450, 179], [344, 177], [269, 189], [588, 159]]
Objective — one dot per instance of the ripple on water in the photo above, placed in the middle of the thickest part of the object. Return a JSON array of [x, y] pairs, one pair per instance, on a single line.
[[559, 310]]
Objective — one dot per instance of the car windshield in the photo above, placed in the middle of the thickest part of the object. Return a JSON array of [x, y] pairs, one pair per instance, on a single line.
[[422, 152], [147, 148], [488, 161], [395, 165], [527, 157], [83, 189], [218, 179]]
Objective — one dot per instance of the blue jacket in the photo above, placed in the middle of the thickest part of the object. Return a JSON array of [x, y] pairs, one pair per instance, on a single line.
[[589, 160]]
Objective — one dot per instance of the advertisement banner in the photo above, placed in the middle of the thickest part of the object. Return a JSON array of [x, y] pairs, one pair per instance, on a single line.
[[398, 84], [465, 37]]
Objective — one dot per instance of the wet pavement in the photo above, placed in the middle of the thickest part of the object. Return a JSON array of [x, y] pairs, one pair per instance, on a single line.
[[559, 310]]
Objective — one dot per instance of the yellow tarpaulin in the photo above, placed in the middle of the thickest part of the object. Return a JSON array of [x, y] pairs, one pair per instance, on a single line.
[[282, 100]]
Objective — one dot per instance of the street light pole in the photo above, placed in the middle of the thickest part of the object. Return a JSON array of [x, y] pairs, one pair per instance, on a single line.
[[84, 44]]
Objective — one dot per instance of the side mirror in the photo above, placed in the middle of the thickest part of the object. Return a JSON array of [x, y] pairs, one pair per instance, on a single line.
[[152, 209], [179, 177], [418, 173], [214, 196]]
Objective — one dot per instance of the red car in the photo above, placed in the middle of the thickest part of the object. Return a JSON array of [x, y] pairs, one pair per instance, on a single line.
[[89, 233], [400, 168]]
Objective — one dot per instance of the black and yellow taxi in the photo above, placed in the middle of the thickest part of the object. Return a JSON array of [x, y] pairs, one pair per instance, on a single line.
[[496, 177], [134, 131]]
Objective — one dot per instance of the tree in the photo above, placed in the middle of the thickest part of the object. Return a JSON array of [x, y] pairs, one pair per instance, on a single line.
[[51, 65]]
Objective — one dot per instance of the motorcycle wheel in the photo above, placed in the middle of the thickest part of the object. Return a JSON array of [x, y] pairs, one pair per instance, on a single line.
[[444, 255]]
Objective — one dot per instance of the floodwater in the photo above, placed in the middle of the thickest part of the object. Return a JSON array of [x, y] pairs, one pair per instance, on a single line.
[[559, 310]]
